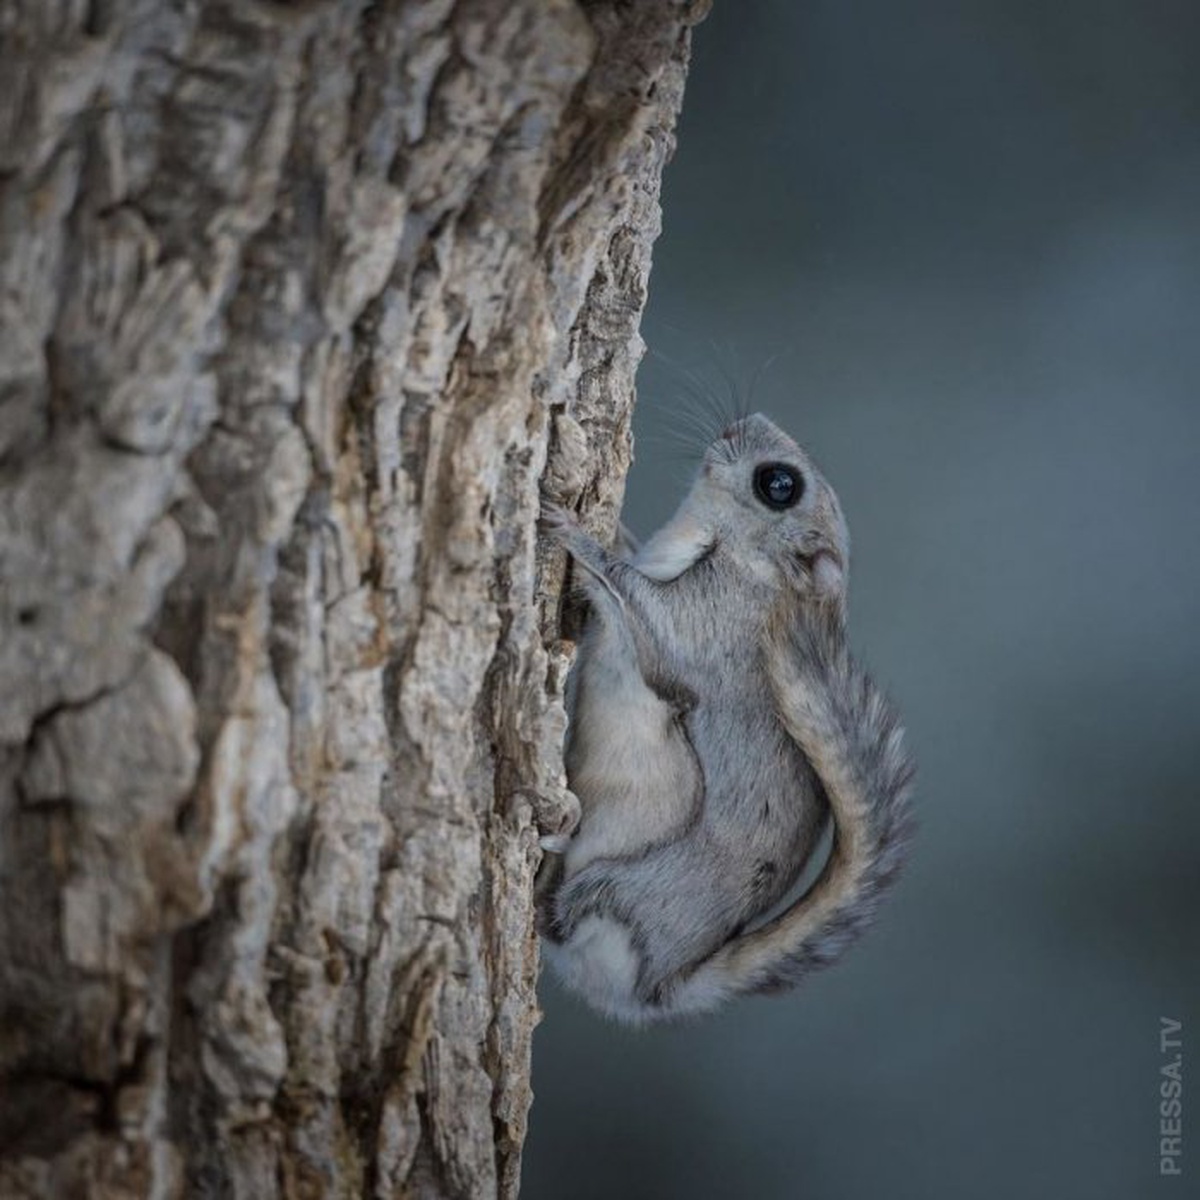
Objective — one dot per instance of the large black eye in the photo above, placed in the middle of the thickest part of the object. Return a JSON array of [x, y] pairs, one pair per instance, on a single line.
[[778, 486]]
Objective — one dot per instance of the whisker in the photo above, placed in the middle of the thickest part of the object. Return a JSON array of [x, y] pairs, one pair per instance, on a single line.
[[704, 405]]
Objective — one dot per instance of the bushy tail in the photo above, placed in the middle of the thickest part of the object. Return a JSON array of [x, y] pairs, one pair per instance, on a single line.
[[852, 736]]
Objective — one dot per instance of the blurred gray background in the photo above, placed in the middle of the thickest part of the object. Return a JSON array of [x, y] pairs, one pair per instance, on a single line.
[[970, 232]]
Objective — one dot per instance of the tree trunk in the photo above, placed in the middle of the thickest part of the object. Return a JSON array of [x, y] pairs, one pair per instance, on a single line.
[[299, 303]]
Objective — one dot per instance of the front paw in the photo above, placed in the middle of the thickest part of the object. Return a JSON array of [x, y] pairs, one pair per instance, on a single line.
[[563, 526], [559, 523]]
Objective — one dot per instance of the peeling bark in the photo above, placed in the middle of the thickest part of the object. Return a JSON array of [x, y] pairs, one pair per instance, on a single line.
[[299, 304]]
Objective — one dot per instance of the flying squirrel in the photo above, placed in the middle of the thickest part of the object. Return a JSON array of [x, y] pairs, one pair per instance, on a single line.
[[716, 721]]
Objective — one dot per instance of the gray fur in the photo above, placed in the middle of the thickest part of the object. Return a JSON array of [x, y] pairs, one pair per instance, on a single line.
[[716, 719]]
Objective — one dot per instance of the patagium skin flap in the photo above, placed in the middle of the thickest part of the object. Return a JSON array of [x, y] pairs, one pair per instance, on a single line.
[[717, 722]]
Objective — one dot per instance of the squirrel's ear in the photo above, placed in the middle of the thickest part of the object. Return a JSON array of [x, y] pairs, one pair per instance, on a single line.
[[829, 577]]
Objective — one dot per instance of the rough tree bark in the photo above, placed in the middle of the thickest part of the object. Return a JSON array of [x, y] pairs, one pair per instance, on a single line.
[[299, 304]]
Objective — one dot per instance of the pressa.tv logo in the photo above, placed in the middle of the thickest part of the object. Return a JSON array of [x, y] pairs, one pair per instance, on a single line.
[[1170, 1097]]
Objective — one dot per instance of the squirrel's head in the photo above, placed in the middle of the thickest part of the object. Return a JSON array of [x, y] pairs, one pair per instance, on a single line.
[[768, 507]]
